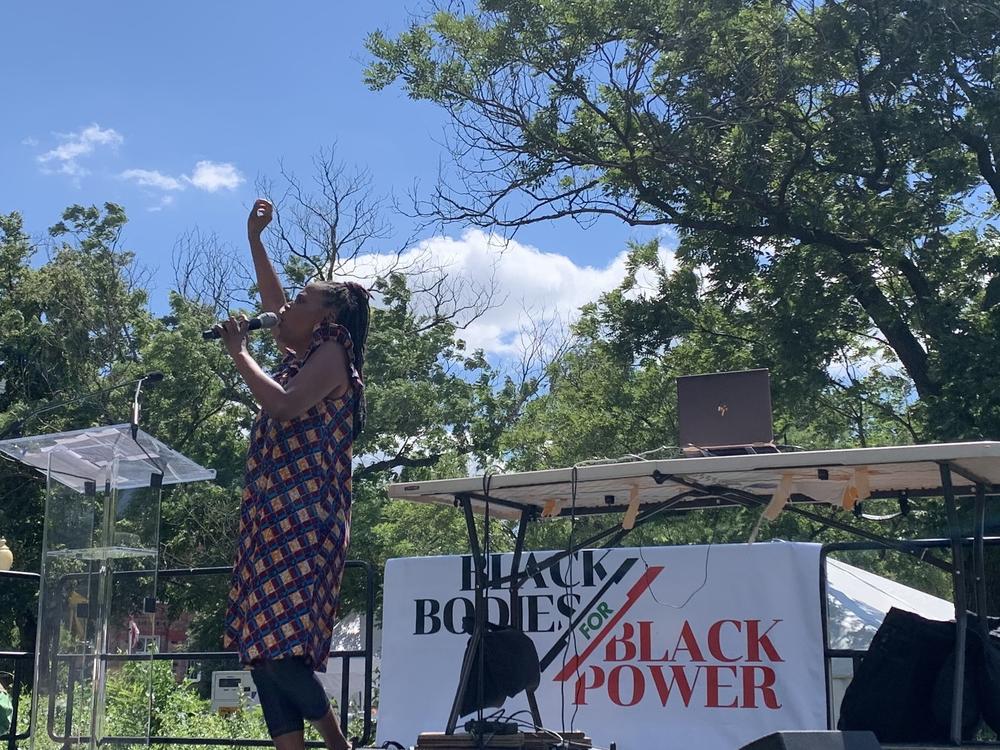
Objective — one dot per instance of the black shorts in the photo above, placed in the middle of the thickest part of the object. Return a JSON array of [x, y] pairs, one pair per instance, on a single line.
[[289, 693]]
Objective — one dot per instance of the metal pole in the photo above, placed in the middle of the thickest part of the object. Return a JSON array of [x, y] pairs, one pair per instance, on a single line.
[[155, 486], [14, 700], [481, 619], [477, 633], [961, 609], [345, 691], [515, 568], [825, 629], [515, 602], [70, 694], [979, 562], [369, 650]]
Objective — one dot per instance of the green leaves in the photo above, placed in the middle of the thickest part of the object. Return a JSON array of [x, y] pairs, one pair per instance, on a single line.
[[822, 161], [80, 322]]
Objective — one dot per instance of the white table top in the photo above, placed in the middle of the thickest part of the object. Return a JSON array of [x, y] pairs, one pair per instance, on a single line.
[[882, 472]]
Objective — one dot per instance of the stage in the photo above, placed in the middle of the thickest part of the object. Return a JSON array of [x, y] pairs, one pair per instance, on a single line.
[[632, 493]]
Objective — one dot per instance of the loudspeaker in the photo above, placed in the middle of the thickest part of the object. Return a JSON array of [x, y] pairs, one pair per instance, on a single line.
[[815, 740], [511, 665], [902, 689]]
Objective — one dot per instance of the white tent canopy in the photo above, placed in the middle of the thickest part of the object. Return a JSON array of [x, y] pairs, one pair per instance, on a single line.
[[857, 602]]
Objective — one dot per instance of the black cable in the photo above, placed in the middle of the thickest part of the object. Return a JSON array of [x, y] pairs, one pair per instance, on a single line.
[[156, 464], [704, 581], [513, 716], [563, 742], [559, 738], [484, 600]]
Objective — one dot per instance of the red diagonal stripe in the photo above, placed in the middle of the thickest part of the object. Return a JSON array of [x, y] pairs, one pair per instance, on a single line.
[[633, 595]]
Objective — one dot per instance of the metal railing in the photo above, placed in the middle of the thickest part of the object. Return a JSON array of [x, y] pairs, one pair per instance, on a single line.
[[346, 657], [23, 668]]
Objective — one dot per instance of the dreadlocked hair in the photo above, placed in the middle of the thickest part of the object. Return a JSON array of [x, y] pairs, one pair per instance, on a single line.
[[350, 301]]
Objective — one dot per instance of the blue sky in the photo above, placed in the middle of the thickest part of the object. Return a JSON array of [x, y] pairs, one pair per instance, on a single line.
[[174, 110]]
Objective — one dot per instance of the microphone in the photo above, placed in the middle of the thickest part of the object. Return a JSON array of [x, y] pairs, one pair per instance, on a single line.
[[152, 377], [264, 320]]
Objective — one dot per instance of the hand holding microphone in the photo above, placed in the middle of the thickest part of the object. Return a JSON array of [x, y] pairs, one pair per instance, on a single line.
[[264, 320], [234, 331]]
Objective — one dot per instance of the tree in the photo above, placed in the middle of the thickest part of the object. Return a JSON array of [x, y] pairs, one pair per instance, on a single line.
[[72, 325], [830, 163], [603, 403], [317, 235], [79, 322]]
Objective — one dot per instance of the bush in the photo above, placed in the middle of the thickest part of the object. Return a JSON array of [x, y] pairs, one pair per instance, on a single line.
[[176, 710]]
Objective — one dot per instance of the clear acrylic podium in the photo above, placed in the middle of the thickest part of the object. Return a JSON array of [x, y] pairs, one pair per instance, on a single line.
[[99, 563]]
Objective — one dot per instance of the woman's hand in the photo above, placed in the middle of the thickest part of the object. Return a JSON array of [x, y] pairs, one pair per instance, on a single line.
[[260, 217], [233, 333]]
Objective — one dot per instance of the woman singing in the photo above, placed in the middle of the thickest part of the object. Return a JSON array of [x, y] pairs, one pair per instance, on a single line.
[[295, 515]]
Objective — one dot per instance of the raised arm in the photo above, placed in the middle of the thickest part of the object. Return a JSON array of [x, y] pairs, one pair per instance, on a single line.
[[272, 295]]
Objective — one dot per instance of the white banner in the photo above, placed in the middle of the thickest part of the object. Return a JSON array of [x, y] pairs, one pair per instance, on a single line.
[[707, 647]]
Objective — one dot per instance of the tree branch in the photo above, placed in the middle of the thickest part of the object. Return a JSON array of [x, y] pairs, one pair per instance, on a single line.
[[397, 461]]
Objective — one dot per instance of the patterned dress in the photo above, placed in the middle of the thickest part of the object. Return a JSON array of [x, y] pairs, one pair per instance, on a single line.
[[295, 521]]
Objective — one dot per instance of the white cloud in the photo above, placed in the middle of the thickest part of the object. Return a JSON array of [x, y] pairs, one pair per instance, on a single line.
[[152, 178], [212, 176], [65, 158], [76, 145], [208, 175], [166, 200], [531, 286]]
